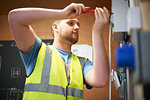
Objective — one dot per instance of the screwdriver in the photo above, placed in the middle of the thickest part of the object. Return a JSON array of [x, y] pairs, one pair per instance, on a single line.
[[88, 10]]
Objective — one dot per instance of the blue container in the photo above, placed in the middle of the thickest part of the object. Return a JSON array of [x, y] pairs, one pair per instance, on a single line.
[[125, 56]]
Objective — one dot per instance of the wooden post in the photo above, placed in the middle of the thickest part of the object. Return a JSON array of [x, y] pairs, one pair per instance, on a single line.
[[145, 11]]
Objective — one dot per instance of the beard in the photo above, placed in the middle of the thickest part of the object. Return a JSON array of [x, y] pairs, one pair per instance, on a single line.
[[72, 39]]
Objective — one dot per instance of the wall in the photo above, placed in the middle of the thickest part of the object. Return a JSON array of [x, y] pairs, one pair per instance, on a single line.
[[42, 29]]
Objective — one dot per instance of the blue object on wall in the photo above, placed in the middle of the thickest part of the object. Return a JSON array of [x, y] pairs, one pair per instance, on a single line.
[[125, 56]]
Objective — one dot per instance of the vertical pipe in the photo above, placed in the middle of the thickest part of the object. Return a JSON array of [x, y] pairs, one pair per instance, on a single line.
[[132, 3], [110, 27], [128, 84]]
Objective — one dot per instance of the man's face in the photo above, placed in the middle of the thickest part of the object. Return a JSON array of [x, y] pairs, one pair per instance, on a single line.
[[69, 30]]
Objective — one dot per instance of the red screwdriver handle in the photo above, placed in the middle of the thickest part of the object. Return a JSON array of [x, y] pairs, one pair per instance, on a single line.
[[88, 10]]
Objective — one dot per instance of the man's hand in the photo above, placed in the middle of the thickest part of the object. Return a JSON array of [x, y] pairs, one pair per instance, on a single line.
[[101, 20], [74, 10]]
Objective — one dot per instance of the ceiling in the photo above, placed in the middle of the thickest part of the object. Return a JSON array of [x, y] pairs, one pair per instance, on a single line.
[[7, 5]]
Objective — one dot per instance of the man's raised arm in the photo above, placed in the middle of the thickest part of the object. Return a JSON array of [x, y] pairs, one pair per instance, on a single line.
[[99, 75], [20, 20]]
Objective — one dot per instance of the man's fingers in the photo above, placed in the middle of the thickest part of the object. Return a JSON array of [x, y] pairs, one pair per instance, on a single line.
[[104, 15], [79, 9], [107, 11], [96, 13], [100, 13], [76, 11], [83, 8]]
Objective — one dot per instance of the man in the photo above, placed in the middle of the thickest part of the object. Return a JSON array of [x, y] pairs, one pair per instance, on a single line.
[[53, 72]]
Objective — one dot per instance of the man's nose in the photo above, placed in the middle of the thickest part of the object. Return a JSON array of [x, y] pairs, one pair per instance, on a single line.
[[76, 27]]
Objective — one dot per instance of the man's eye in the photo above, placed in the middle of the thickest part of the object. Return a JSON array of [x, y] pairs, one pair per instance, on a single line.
[[71, 23]]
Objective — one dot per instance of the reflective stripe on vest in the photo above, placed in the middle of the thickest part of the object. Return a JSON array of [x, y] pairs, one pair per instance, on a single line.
[[54, 89], [44, 86]]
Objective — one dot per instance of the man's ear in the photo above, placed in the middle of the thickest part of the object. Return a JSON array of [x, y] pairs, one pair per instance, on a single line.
[[55, 27]]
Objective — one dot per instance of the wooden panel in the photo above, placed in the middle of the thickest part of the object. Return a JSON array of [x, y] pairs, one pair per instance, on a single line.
[[5, 33], [7, 5], [145, 12]]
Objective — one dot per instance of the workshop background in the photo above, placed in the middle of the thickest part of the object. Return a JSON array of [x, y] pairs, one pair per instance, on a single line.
[[43, 30]]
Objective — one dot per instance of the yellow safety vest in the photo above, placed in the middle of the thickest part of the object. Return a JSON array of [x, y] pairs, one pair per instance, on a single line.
[[48, 80]]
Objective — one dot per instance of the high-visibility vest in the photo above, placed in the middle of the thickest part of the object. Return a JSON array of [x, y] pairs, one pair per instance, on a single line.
[[48, 80]]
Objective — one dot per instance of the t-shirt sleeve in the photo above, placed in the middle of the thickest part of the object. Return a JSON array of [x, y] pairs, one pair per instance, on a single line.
[[29, 59], [87, 67]]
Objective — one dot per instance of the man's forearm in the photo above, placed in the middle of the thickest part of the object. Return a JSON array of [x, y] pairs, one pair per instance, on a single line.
[[100, 60], [26, 16]]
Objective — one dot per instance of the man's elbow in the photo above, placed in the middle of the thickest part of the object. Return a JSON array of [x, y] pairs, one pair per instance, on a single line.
[[100, 84], [12, 16]]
